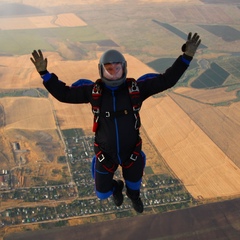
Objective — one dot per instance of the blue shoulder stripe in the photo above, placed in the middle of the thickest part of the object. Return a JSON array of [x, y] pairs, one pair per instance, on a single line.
[[147, 76], [81, 82]]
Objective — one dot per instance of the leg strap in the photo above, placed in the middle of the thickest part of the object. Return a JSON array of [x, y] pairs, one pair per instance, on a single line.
[[134, 156], [100, 156]]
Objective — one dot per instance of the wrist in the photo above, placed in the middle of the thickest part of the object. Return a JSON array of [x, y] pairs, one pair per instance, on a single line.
[[187, 57], [46, 77], [43, 72]]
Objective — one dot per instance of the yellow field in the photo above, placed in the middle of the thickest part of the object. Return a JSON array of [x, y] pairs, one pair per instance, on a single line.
[[198, 162], [60, 20], [220, 123], [232, 111], [28, 113]]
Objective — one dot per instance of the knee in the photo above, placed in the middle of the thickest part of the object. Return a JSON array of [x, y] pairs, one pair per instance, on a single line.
[[133, 185], [103, 195]]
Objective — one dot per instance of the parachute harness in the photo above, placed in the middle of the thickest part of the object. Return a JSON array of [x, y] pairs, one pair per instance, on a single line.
[[134, 94]]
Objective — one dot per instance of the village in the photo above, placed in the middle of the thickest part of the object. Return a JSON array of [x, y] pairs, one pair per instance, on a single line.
[[77, 198]]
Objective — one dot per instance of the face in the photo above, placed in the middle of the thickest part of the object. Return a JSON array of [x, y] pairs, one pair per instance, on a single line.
[[113, 71]]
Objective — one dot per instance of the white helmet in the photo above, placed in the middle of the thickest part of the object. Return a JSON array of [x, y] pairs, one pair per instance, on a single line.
[[112, 56]]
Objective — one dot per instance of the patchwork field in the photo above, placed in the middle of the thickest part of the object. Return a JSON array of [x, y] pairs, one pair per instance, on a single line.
[[191, 154], [191, 133], [60, 20]]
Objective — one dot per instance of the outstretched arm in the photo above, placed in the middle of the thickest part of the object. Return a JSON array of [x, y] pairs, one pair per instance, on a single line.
[[69, 94], [154, 83]]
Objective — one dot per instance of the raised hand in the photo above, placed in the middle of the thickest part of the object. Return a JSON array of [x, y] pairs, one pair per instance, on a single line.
[[39, 61], [190, 47]]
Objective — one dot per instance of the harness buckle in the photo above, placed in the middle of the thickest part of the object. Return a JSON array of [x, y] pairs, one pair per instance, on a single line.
[[133, 157], [101, 157], [137, 122], [95, 110], [97, 89], [134, 88], [136, 108]]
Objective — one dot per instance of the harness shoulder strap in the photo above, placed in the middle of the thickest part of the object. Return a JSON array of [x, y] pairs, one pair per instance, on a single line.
[[134, 92], [96, 94]]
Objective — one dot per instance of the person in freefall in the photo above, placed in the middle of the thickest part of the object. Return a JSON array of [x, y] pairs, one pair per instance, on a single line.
[[116, 101]]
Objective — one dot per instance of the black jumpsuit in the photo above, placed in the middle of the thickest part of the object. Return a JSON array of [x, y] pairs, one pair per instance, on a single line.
[[116, 136]]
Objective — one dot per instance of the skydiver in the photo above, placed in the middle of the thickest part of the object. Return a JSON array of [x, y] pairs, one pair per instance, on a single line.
[[116, 101]]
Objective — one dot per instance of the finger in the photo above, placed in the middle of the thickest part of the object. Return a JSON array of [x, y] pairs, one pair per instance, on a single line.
[[198, 42], [40, 54], [189, 36], [195, 37], [35, 54], [33, 61]]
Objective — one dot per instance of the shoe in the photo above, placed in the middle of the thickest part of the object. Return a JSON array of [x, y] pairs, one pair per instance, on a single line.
[[137, 205], [117, 193]]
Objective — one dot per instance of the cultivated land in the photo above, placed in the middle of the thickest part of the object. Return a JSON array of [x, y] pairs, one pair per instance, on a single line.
[[188, 133], [60, 20], [191, 154]]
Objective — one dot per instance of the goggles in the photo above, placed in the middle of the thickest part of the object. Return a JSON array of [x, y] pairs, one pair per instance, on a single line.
[[112, 71]]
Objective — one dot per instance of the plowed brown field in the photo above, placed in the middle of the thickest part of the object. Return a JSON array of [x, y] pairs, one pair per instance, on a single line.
[[217, 221]]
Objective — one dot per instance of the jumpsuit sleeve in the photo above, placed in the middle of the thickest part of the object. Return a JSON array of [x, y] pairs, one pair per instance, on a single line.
[[77, 93], [153, 83]]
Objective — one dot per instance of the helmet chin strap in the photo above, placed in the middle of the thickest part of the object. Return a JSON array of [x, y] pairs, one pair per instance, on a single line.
[[114, 83]]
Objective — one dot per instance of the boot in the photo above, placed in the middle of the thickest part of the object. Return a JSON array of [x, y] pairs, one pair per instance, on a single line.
[[136, 203], [117, 193]]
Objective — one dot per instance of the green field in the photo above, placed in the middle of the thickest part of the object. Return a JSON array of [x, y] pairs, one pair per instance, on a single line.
[[19, 42], [24, 92]]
